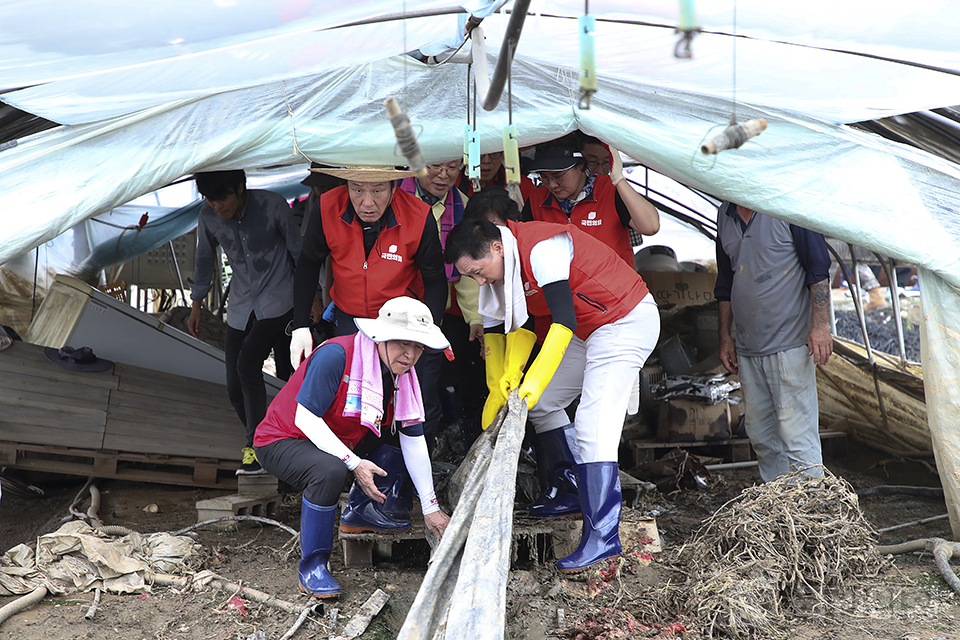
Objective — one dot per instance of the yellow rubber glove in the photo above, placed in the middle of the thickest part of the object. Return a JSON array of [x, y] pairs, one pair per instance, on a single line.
[[494, 352], [543, 368], [519, 345]]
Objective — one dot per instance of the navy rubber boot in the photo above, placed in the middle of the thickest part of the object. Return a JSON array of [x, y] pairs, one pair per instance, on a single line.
[[362, 514], [601, 499], [399, 490], [555, 463], [316, 544]]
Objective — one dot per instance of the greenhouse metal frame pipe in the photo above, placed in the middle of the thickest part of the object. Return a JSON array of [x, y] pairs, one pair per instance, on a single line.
[[507, 48]]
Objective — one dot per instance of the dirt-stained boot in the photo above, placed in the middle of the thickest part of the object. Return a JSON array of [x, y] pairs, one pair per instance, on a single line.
[[363, 514], [877, 301], [600, 497], [555, 464]]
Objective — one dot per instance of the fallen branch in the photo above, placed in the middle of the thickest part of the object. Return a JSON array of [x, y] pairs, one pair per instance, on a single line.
[[942, 551], [199, 525], [303, 616], [361, 619], [217, 582]]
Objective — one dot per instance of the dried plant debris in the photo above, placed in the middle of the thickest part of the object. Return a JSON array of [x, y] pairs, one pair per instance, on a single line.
[[779, 550]]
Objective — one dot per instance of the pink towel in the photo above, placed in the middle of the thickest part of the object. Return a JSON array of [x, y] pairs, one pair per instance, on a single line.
[[365, 389]]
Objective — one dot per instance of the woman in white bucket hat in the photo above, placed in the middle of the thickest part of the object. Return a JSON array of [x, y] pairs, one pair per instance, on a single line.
[[354, 405]]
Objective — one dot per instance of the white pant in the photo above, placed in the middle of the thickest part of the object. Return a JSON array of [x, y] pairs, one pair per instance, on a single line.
[[601, 369], [781, 411]]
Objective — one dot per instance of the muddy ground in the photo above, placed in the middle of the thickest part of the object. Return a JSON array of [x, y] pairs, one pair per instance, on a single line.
[[908, 601]]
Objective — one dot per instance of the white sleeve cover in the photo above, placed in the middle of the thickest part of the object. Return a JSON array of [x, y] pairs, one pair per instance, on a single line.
[[417, 459], [315, 428], [550, 259]]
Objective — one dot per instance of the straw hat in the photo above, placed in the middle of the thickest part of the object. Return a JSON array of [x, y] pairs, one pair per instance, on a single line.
[[364, 174], [404, 318]]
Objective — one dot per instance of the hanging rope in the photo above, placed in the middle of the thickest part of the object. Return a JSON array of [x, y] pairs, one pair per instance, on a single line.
[[293, 123]]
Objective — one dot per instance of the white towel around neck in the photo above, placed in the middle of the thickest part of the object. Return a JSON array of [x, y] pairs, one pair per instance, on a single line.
[[505, 302]]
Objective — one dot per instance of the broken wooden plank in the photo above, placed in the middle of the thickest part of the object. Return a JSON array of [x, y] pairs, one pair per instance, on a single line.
[[846, 391], [361, 619]]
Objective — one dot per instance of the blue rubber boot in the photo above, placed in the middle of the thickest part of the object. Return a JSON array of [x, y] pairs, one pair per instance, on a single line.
[[316, 544], [600, 497], [555, 463], [362, 514], [399, 489]]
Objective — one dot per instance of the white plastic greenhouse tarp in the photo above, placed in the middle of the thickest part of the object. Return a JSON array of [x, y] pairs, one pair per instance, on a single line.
[[228, 84]]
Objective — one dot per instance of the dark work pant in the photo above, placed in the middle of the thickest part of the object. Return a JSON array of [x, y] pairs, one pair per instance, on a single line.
[[319, 475], [467, 373], [281, 356], [244, 352], [428, 373]]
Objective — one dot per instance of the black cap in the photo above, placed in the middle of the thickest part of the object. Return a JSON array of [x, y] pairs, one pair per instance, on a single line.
[[555, 158], [322, 180]]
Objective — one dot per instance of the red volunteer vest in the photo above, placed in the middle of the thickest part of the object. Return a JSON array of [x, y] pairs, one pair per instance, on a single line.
[[596, 217], [279, 421], [605, 289], [361, 283]]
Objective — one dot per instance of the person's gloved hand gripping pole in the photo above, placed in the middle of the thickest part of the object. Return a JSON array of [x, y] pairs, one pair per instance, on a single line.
[[559, 298]]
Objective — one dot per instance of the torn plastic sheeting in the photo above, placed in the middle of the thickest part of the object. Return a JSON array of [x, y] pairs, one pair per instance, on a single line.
[[872, 185], [75, 558], [90, 38], [248, 129], [114, 93]]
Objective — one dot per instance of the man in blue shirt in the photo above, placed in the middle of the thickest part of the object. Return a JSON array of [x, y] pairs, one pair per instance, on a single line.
[[257, 233], [773, 281]]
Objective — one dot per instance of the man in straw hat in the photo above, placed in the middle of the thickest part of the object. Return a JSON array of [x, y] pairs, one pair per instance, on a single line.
[[383, 243], [601, 312], [354, 405]]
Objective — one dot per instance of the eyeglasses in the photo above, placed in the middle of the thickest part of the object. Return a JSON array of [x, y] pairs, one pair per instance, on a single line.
[[553, 177], [597, 165], [442, 168]]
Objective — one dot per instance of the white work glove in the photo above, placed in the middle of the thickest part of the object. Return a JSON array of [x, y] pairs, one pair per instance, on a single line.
[[301, 345], [616, 166]]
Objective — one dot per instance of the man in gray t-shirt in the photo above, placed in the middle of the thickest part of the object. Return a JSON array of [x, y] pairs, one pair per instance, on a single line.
[[257, 233], [773, 282]]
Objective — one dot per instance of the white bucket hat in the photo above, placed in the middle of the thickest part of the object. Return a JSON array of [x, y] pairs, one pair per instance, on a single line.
[[404, 318]]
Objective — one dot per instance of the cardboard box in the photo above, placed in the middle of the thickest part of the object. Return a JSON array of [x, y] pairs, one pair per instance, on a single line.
[[682, 289], [692, 421]]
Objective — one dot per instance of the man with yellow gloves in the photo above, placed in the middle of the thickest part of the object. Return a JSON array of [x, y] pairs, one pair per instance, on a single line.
[[604, 325]]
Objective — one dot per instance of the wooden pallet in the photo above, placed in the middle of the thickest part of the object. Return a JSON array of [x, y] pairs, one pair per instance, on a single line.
[[359, 549], [126, 422], [731, 450], [141, 467]]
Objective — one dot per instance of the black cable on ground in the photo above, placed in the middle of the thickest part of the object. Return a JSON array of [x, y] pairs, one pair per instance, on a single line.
[[896, 489]]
